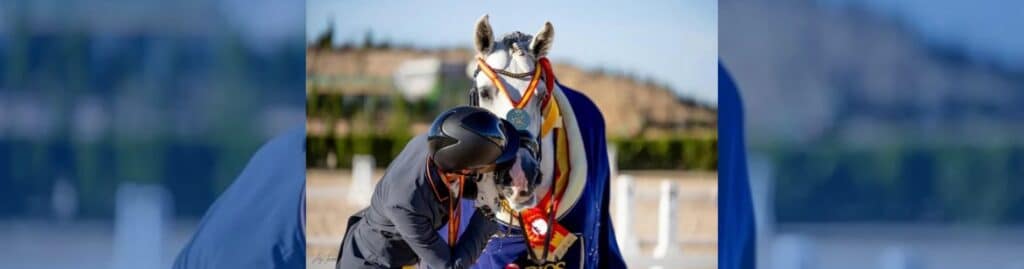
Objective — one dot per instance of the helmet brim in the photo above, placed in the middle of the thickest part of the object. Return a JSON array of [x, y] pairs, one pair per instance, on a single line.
[[509, 153]]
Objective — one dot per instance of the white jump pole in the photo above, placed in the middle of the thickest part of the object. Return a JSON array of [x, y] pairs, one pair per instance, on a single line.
[[613, 161], [141, 214], [667, 221], [361, 188], [897, 258], [793, 251], [625, 194], [761, 190], [64, 200]]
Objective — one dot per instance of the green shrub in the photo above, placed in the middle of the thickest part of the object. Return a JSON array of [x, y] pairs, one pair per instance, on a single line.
[[685, 153], [924, 183]]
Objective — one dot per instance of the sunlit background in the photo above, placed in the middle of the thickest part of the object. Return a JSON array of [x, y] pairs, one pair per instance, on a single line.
[[379, 72], [121, 121], [883, 134]]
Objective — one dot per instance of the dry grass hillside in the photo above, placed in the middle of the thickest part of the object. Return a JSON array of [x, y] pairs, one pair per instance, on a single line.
[[630, 107]]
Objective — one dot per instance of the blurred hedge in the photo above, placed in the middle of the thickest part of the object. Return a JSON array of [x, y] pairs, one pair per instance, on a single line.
[[382, 148], [684, 153], [668, 153], [955, 184]]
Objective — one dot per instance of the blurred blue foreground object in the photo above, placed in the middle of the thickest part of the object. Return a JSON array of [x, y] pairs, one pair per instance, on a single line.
[[735, 206], [258, 221]]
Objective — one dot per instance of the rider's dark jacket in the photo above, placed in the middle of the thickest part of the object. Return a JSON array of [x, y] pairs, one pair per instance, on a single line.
[[400, 227]]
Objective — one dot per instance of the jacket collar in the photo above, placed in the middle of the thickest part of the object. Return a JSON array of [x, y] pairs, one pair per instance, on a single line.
[[436, 183]]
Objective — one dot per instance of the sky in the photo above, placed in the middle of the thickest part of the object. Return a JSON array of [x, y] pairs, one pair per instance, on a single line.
[[986, 30], [672, 42]]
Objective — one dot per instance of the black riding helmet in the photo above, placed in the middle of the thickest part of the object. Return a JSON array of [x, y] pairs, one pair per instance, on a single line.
[[472, 138]]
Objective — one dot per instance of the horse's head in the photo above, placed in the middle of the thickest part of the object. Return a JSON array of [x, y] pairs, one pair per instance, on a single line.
[[508, 81]]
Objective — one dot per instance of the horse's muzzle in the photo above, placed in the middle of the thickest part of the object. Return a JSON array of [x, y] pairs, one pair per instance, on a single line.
[[521, 180]]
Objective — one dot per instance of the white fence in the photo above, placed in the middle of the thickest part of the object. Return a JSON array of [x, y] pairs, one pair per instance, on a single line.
[[361, 189], [666, 253], [141, 219]]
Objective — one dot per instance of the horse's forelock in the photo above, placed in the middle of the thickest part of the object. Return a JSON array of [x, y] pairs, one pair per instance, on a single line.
[[503, 56], [515, 37], [519, 38]]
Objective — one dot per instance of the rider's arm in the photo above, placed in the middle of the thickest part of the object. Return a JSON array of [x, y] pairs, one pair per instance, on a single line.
[[417, 231], [433, 251], [474, 239]]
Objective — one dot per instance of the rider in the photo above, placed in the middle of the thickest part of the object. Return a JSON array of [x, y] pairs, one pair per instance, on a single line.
[[421, 191]]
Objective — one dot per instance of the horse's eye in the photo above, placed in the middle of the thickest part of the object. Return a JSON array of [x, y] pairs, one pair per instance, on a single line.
[[485, 92]]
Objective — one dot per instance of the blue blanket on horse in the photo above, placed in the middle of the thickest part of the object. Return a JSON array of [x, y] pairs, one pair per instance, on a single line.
[[736, 233], [596, 246]]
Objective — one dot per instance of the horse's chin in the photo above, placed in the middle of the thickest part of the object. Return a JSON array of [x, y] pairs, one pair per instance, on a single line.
[[523, 203]]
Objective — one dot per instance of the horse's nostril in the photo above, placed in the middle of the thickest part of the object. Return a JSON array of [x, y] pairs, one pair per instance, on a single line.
[[523, 193]]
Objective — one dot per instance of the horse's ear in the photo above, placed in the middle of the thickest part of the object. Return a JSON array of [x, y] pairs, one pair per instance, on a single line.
[[484, 37], [542, 40]]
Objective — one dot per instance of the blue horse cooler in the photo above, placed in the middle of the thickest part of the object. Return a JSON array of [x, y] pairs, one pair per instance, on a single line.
[[587, 239]]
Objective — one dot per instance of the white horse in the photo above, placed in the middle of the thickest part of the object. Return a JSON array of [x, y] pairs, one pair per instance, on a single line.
[[514, 58], [513, 79]]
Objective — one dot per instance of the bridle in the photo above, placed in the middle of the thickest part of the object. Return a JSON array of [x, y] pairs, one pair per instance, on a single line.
[[542, 69]]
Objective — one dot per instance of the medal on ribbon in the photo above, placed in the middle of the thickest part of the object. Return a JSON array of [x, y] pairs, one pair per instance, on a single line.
[[517, 116]]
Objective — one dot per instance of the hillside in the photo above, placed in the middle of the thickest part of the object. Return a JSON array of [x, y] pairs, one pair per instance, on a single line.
[[630, 107], [812, 73]]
